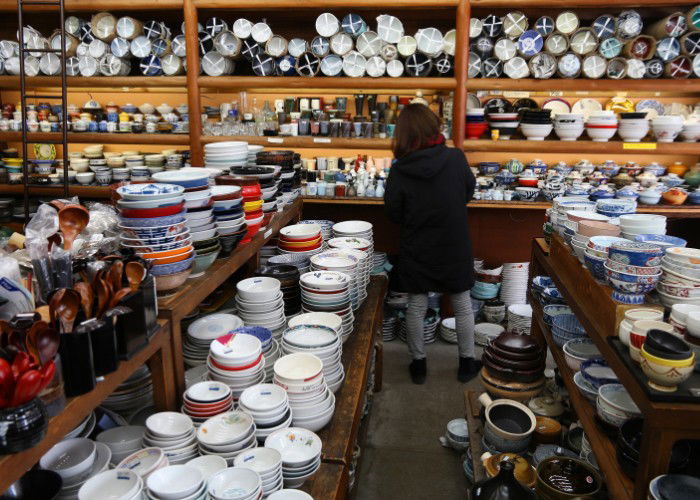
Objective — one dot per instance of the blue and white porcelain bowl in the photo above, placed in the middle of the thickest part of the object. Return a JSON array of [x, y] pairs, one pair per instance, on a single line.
[[617, 205], [184, 178], [597, 373], [636, 253], [147, 222], [175, 267], [633, 278], [552, 310], [152, 191], [152, 232], [596, 265], [663, 240]]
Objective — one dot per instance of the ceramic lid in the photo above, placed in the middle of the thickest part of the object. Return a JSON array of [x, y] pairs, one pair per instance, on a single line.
[[546, 406]]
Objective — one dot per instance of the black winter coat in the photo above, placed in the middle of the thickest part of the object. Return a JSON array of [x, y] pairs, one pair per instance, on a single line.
[[426, 193]]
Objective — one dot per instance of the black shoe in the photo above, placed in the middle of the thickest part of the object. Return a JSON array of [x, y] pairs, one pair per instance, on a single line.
[[418, 370], [468, 368]]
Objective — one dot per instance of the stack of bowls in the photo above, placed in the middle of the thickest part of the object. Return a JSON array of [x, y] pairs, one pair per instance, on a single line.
[[225, 155], [251, 194], [507, 358], [554, 310], [629, 443], [301, 454], [505, 123], [615, 406], [267, 463], [577, 351], [633, 224], [311, 401], [153, 225], [173, 433], [176, 482], [288, 277], [681, 266], [596, 254], [589, 228], [268, 404], [536, 125], [328, 291], [667, 127], [663, 240], [227, 435], [115, 483], [616, 207], [122, 441], [476, 123], [637, 314], [632, 270], [236, 359], [361, 248], [566, 327], [325, 225], [515, 283], [448, 330], [519, 318], [679, 317], [568, 126], [494, 311], [597, 373], [300, 239], [206, 399], [354, 229], [329, 320], [601, 125], [487, 283], [260, 302], [324, 342], [132, 394], [638, 333], [202, 331], [667, 360], [145, 462], [342, 262], [633, 127], [228, 216]]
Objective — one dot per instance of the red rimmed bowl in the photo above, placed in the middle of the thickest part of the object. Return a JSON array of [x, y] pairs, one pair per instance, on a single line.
[[143, 213]]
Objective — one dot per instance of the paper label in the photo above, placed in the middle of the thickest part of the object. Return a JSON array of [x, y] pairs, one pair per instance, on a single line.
[[516, 94], [638, 145], [322, 140], [621, 94], [556, 93], [581, 92], [275, 140]]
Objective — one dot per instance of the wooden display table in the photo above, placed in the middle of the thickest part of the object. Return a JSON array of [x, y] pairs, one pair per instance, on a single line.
[[194, 291], [664, 422], [157, 354]]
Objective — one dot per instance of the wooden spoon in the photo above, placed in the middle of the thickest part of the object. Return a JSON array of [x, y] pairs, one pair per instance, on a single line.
[[72, 219], [135, 273], [68, 309], [54, 304], [87, 297], [47, 343], [117, 297], [32, 339], [116, 275], [103, 297]]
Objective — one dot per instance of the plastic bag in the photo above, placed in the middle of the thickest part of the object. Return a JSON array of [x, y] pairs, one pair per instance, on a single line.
[[14, 298]]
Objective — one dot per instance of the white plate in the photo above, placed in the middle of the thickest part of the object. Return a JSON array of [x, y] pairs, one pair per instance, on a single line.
[[225, 428], [310, 336], [213, 326]]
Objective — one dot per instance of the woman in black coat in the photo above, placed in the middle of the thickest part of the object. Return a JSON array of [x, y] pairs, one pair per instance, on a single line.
[[426, 194]]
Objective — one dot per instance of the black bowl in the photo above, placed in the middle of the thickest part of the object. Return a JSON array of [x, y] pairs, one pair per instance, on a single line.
[[279, 271], [661, 353], [35, 485], [667, 343], [627, 463], [632, 116], [515, 356]]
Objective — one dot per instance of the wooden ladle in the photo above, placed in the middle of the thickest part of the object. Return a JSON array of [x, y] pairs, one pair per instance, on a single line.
[[118, 296], [104, 293], [47, 343], [67, 308], [135, 273], [116, 273], [87, 297], [72, 219]]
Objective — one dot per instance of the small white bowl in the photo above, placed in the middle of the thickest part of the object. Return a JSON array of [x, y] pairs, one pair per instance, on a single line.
[[70, 458], [258, 289], [124, 438], [245, 482], [294, 368], [290, 494], [298, 447], [175, 481], [263, 397], [115, 483], [169, 424], [260, 460], [144, 462], [208, 465]]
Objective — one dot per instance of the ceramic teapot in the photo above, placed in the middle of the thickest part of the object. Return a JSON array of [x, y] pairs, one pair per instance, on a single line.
[[692, 178], [585, 167], [514, 166], [647, 178]]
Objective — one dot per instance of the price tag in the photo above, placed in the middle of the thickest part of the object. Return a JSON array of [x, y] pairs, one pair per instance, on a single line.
[[268, 233], [621, 94], [126, 89], [516, 94], [556, 93], [275, 140], [581, 92], [322, 140], [638, 145]]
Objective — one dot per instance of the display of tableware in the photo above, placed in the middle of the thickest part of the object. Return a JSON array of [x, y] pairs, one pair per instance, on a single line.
[[508, 424], [236, 359], [227, 435], [300, 450]]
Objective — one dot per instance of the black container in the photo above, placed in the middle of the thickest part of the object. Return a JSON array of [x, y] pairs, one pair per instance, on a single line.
[[105, 352], [35, 484], [135, 328], [503, 486], [77, 363], [23, 426]]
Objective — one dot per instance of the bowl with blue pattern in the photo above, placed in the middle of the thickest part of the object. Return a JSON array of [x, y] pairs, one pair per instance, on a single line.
[[636, 253]]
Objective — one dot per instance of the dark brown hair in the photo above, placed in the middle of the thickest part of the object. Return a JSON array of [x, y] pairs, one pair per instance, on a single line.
[[416, 126]]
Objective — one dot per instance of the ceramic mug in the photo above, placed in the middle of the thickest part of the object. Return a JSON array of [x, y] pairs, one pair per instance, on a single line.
[[321, 163], [508, 424]]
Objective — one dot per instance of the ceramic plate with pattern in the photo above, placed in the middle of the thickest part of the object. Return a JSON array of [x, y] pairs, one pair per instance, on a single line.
[[586, 106], [652, 107]]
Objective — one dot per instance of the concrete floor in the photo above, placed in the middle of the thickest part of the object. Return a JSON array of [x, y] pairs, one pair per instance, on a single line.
[[402, 457]]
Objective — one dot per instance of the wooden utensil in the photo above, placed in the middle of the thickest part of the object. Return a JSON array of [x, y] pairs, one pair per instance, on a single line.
[[67, 309], [54, 303], [31, 340], [72, 219], [118, 296], [135, 273], [103, 297], [116, 273], [47, 343], [87, 297]]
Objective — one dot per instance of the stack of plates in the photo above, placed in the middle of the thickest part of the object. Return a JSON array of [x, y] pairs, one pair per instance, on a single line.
[[206, 399], [301, 261], [267, 463], [448, 330], [172, 432], [379, 260], [389, 325], [253, 150], [311, 401], [122, 441], [322, 341], [354, 229], [134, 393], [145, 462], [300, 239], [519, 318], [353, 247], [430, 324], [301, 454], [514, 283], [236, 359], [260, 302], [221, 155], [227, 435], [202, 331], [328, 291], [120, 483], [288, 277], [84, 428], [268, 404], [326, 227], [176, 482], [342, 262], [228, 216], [76, 460], [484, 333]]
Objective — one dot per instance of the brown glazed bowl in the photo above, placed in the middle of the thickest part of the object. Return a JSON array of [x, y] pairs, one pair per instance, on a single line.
[[532, 364], [563, 478], [547, 431], [514, 356], [510, 375], [523, 471], [516, 391], [513, 342]]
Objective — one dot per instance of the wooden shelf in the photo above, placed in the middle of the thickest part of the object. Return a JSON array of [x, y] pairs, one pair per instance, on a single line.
[[95, 82], [92, 6], [584, 84], [329, 483], [13, 466], [326, 4], [583, 146], [567, 5], [57, 190], [304, 142], [618, 484], [285, 84], [98, 138], [476, 432]]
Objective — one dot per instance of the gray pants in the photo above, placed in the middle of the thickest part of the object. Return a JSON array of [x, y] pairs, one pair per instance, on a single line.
[[464, 317]]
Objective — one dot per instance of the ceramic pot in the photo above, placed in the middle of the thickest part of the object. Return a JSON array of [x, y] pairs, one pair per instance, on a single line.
[[508, 424], [502, 487], [548, 431], [561, 478], [524, 473], [23, 426]]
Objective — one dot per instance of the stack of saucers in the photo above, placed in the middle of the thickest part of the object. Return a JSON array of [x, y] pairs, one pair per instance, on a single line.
[[236, 359], [328, 291], [176, 482], [311, 400], [448, 330], [300, 239], [202, 331], [322, 341], [326, 227], [223, 155], [122, 441], [361, 248], [132, 394], [514, 283], [301, 261], [76, 460], [340, 261], [430, 323], [268, 404], [301, 454], [389, 324], [260, 302], [206, 399], [355, 229], [227, 214], [253, 150], [227, 435], [288, 277], [173, 433], [379, 260], [267, 463]]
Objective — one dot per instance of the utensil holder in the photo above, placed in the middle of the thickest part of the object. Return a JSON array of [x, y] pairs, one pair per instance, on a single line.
[[77, 363], [135, 328], [105, 354]]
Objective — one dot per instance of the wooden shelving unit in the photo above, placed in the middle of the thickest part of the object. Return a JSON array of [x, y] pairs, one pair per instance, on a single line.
[[287, 83], [304, 142], [585, 85], [664, 423], [57, 190], [582, 146], [96, 82]]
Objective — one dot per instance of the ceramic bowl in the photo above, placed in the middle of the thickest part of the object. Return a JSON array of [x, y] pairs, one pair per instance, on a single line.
[[174, 482], [35, 484], [636, 253], [115, 483], [70, 458], [564, 477], [576, 351], [665, 374]]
